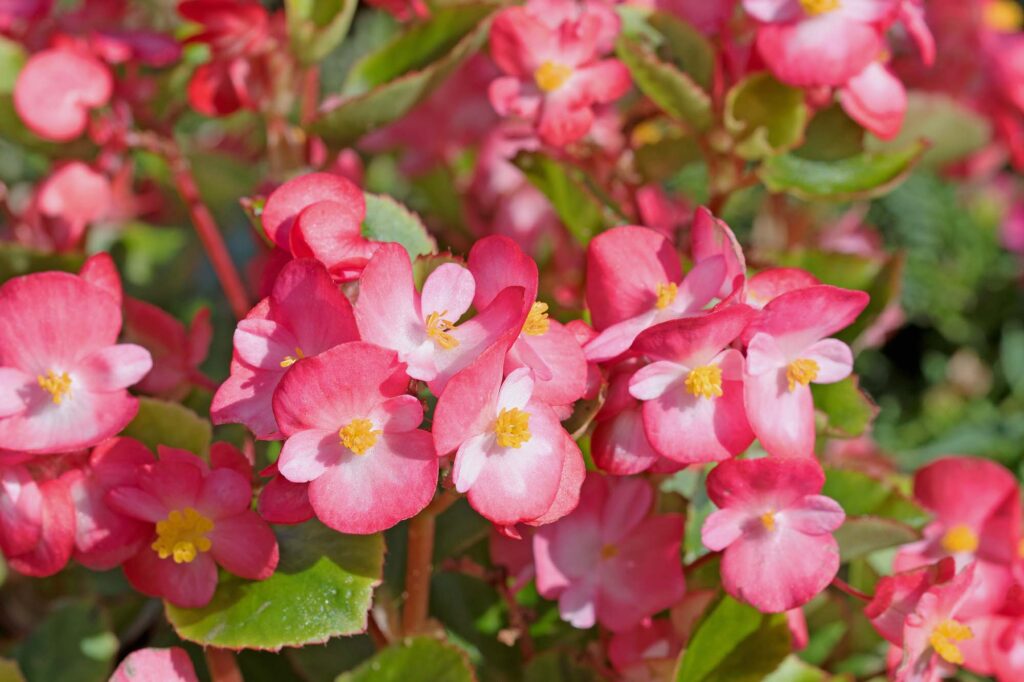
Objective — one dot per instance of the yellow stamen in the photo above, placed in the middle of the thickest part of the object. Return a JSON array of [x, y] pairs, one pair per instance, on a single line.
[[768, 521], [438, 328], [667, 292], [944, 637], [705, 381], [609, 551], [537, 323], [182, 535], [290, 360], [802, 371], [551, 75], [1005, 16], [512, 427], [358, 435], [960, 538], [58, 386], [816, 7]]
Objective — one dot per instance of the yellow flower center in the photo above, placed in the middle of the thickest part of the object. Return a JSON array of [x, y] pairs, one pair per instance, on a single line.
[[768, 521], [57, 385], [358, 435], [537, 323], [816, 7], [960, 538], [290, 360], [438, 329], [944, 637], [182, 535], [667, 292], [705, 381], [551, 75], [512, 427], [802, 371], [1005, 16], [609, 551]]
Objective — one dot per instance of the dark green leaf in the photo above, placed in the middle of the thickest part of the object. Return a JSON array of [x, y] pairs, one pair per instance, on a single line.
[[322, 588], [663, 149], [160, 422], [861, 535], [324, 662], [674, 91], [685, 46], [388, 221], [16, 260], [848, 410], [73, 644], [831, 135], [764, 116], [421, 659], [315, 27], [558, 666], [857, 177]]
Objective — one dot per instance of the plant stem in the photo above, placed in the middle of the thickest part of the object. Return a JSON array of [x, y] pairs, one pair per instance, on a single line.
[[849, 589], [222, 665], [419, 563]]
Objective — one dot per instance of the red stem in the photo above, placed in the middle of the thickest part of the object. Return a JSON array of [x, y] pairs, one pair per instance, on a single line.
[[222, 665], [849, 589], [419, 563]]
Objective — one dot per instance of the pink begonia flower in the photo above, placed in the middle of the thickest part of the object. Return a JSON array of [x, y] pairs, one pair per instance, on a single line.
[[282, 501], [198, 518], [37, 516], [1005, 649], [610, 561], [56, 89], [896, 597], [706, 17], [352, 434], [403, 10], [876, 99], [551, 52], [811, 43], [710, 237], [177, 350], [634, 281], [514, 460], [693, 389], [619, 443], [156, 665], [513, 554], [769, 284], [647, 652], [787, 351], [63, 376], [774, 529], [976, 503], [422, 326], [544, 345], [303, 316], [105, 538], [70, 199]]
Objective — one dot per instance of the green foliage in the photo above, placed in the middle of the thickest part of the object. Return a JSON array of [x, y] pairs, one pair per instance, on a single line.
[[862, 495], [672, 89], [848, 410], [764, 116], [952, 130], [863, 535], [315, 27], [16, 260], [73, 644], [322, 588], [160, 422], [388, 221], [862, 176], [420, 659], [12, 58], [831, 135]]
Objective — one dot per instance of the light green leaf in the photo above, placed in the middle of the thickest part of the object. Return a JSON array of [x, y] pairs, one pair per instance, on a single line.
[[952, 129], [857, 177], [734, 643], [10, 672], [16, 260], [764, 116], [388, 221], [862, 495], [73, 644], [160, 422], [848, 410], [315, 27], [674, 91], [862, 535], [323, 588], [12, 58], [687, 47], [831, 135], [420, 659], [795, 670]]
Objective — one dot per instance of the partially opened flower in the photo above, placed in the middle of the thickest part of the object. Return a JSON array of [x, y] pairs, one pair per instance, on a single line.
[[876, 99], [177, 350], [544, 345], [787, 351], [767, 285], [303, 316], [197, 519], [610, 561], [619, 443], [352, 434], [422, 327], [57, 88], [65, 204], [63, 376], [634, 281], [693, 389], [710, 237], [156, 665], [37, 515], [774, 530], [646, 652]]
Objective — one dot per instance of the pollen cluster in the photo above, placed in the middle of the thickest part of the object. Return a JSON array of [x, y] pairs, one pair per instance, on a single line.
[[57, 385], [960, 538], [667, 292], [537, 322], [290, 360], [358, 435], [512, 428], [944, 637], [439, 330], [816, 7], [550, 76], [705, 381], [182, 535], [802, 371]]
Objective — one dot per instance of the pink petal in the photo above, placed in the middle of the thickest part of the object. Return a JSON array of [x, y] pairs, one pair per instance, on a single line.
[[387, 310], [618, 337], [189, 585], [516, 390], [282, 501], [711, 237], [115, 367], [287, 201], [244, 545], [652, 381], [723, 528], [13, 385], [620, 446], [764, 356], [307, 455], [876, 99], [398, 415], [815, 515], [826, 50], [627, 505], [560, 353], [156, 665], [470, 461], [782, 420], [701, 284], [224, 493], [694, 341], [56, 533], [448, 289], [688, 428], [56, 89], [497, 262], [834, 358], [306, 300]]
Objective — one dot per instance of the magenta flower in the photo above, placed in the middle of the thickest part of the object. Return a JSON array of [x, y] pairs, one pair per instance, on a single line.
[[57, 88], [156, 665], [774, 531], [352, 434], [197, 518], [610, 561], [787, 351], [63, 376]]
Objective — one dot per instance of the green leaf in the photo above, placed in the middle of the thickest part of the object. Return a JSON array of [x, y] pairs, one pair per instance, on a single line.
[[351, 117], [663, 148], [735, 643], [315, 27], [674, 91], [420, 659], [570, 192], [952, 129], [323, 663], [160, 422], [16, 260], [558, 666], [795, 670], [848, 410], [12, 58], [73, 644], [862, 535], [323, 588], [862, 495], [388, 221], [764, 116], [685, 46], [863, 176], [1011, 356], [831, 135], [10, 672]]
